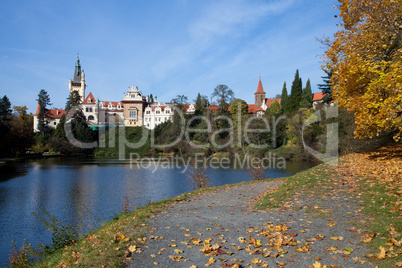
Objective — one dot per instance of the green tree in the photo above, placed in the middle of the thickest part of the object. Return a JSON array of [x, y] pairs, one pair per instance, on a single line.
[[284, 97], [234, 108], [5, 111], [275, 108], [326, 87], [180, 101], [307, 96], [201, 104], [293, 103], [73, 100], [43, 119], [224, 96], [5, 117]]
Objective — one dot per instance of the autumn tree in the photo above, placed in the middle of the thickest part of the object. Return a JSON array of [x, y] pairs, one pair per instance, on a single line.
[[366, 58], [21, 129]]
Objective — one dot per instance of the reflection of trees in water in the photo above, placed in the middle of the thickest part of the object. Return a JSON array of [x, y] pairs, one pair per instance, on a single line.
[[12, 170]]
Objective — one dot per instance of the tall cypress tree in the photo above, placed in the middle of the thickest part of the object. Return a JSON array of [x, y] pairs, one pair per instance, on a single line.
[[284, 97], [307, 96], [293, 103]]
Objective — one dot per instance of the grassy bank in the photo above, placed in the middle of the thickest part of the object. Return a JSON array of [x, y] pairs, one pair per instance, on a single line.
[[374, 178]]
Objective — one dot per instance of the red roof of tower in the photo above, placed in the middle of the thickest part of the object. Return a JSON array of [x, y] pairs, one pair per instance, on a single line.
[[260, 90]]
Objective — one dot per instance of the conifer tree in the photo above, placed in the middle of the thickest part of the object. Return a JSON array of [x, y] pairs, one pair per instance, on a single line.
[[43, 101], [307, 96], [284, 97], [201, 104], [326, 87], [293, 103]]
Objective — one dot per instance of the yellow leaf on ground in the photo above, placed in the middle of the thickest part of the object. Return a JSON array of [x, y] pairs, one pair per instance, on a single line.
[[132, 248], [381, 255], [317, 264], [210, 262], [178, 251]]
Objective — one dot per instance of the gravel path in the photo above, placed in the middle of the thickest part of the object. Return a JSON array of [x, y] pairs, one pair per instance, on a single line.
[[228, 230]]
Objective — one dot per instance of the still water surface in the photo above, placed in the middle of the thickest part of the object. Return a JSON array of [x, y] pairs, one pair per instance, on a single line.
[[84, 192]]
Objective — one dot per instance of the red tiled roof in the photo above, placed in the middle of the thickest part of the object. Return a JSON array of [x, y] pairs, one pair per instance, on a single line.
[[56, 113], [260, 90], [252, 108], [114, 104], [318, 96], [163, 107], [52, 113], [89, 97], [214, 108], [269, 101]]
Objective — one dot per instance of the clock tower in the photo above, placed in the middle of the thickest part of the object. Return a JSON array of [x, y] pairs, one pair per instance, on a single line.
[[78, 82]]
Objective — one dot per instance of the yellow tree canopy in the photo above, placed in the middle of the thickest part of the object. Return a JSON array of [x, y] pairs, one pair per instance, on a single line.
[[366, 59]]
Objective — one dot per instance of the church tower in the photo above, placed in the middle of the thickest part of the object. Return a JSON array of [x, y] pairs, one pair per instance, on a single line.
[[259, 95], [78, 82]]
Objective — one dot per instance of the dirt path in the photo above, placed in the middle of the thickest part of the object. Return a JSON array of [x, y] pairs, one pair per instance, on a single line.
[[220, 229]]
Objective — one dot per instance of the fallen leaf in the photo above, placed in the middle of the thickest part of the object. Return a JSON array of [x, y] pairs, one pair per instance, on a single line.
[[178, 251]]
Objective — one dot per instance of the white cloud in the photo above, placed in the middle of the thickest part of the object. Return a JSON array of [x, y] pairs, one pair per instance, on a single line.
[[217, 25]]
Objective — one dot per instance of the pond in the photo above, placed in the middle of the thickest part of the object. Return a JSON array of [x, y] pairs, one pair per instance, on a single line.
[[91, 191]]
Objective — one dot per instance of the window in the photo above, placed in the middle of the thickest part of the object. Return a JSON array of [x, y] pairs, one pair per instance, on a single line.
[[148, 112], [91, 118], [54, 123], [158, 112], [133, 114]]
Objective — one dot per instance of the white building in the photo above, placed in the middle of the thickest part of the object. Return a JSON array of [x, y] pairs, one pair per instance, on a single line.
[[156, 114]]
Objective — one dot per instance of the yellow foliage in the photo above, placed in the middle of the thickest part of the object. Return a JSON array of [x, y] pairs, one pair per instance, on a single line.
[[366, 59]]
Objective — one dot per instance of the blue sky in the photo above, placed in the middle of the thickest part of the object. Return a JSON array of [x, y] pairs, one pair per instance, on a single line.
[[166, 47]]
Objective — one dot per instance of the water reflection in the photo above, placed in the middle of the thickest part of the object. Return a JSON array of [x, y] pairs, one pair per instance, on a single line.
[[82, 192]]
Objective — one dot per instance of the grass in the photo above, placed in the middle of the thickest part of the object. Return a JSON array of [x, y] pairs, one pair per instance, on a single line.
[[107, 246], [301, 184]]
